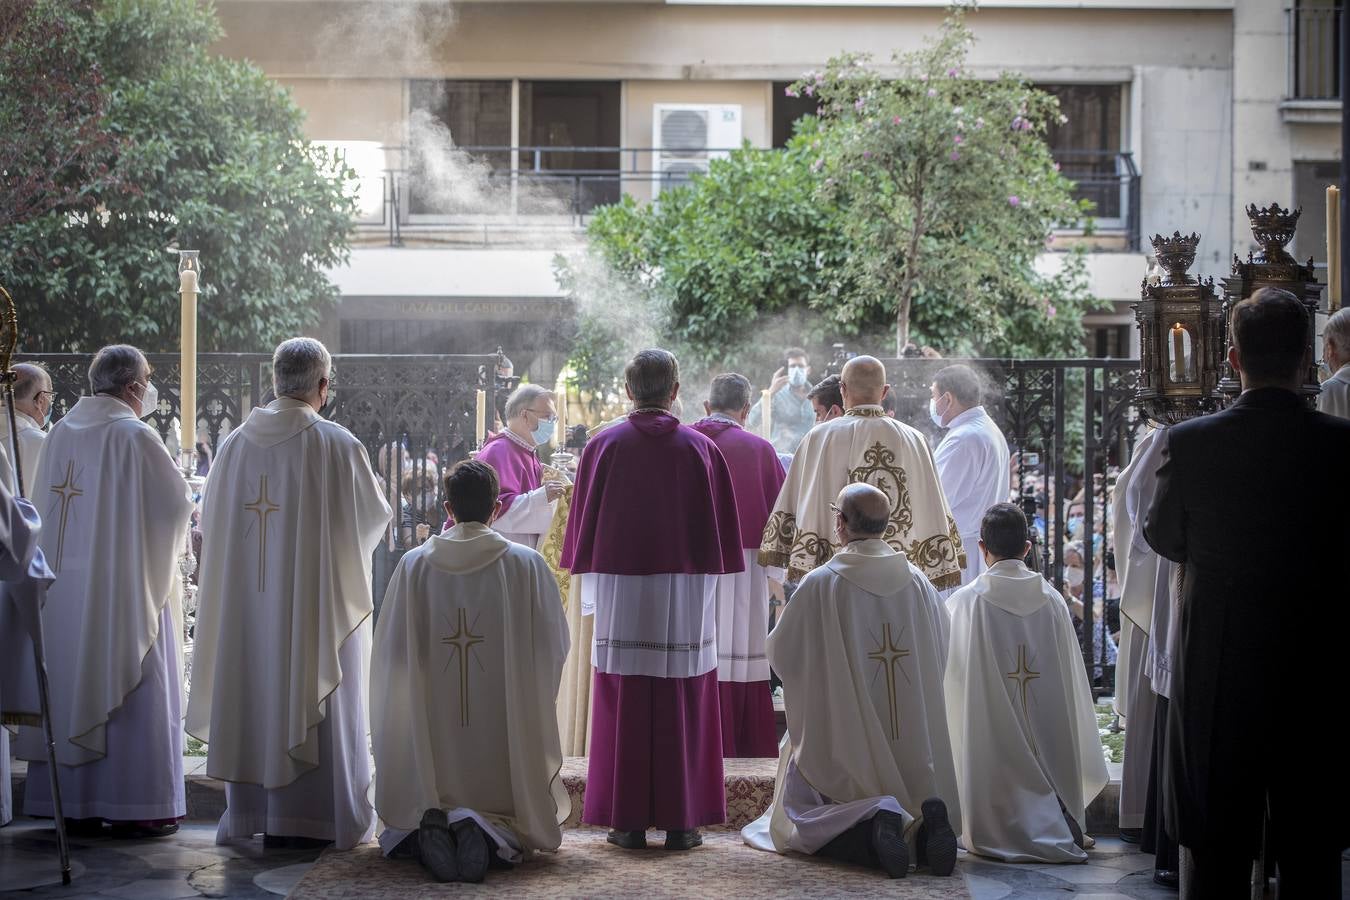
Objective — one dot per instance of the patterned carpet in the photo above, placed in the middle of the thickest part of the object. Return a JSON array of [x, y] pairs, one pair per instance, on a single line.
[[588, 867], [749, 789]]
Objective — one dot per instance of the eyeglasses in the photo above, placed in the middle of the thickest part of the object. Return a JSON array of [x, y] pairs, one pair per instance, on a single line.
[[834, 508]]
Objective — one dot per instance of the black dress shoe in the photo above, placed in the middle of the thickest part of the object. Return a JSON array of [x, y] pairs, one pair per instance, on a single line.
[[628, 840], [134, 831], [436, 846], [888, 843], [292, 842], [472, 847], [1131, 835], [1167, 878], [84, 827], [678, 839], [935, 845]]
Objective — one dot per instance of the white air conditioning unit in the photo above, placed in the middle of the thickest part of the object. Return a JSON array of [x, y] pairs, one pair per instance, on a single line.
[[686, 136]]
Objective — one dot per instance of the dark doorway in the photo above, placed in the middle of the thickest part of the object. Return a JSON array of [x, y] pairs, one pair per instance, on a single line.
[[567, 115], [787, 110]]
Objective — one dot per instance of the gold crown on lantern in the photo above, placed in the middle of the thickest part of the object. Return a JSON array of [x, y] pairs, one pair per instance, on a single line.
[[1273, 227], [1176, 254]]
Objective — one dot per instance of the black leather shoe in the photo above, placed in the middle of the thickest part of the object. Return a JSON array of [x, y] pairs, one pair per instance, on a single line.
[[628, 840], [1167, 878], [935, 845], [134, 831], [84, 827], [683, 840], [471, 850], [1131, 835], [888, 843], [436, 846]]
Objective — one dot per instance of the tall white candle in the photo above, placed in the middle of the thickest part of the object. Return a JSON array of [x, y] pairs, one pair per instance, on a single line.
[[1178, 353], [766, 414], [1333, 248], [480, 423], [187, 392]]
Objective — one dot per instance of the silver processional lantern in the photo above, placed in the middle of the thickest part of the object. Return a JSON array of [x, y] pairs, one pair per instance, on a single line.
[[1181, 334]]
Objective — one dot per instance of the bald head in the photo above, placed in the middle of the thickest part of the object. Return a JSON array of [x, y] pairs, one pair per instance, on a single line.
[[865, 511], [863, 381]]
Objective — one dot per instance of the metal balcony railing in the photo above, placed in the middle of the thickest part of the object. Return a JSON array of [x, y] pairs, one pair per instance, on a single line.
[[1314, 52], [540, 188]]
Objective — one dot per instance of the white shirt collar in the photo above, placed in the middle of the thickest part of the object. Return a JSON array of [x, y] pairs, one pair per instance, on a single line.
[[970, 415]]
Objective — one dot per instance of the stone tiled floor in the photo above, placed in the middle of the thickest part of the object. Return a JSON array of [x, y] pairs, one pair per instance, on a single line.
[[188, 864]]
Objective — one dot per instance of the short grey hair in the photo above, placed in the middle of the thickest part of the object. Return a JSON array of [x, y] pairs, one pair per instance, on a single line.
[[1337, 330], [115, 367], [961, 381], [30, 379], [729, 393], [651, 377], [298, 365], [523, 397]]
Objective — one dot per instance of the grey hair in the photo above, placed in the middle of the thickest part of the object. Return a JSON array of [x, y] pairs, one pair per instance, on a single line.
[[115, 367], [523, 397], [31, 377], [651, 377], [1337, 329], [298, 365], [729, 393], [961, 381]]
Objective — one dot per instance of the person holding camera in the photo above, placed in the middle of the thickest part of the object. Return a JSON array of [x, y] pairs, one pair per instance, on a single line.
[[791, 413]]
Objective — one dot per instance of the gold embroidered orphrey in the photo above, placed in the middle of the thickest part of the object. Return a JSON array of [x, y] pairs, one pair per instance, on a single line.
[[67, 491], [887, 655], [1023, 675], [880, 471], [262, 507], [461, 641]]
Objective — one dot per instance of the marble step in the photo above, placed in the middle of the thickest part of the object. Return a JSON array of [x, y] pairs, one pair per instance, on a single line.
[[749, 789]]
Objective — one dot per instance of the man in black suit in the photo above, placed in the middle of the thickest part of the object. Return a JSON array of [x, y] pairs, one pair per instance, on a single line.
[[1253, 501]]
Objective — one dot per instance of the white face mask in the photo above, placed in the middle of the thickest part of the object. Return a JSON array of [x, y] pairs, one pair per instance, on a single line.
[[149, 400], [1073, 575], [933, 412], [797, 376]]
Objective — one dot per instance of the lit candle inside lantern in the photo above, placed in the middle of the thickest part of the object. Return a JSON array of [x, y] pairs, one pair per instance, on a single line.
[[766, 414], [1178, 353], [480, 420], [1333, 248], [187, 289]]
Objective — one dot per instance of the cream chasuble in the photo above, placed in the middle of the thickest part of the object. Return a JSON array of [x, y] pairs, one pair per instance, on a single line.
[[116, 510], [861, 649], [867, 445], [31, 441], [468, 655], [291, 515], [1023, 727]]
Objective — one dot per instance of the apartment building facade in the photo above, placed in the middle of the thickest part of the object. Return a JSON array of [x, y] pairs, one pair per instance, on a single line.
[[1180, 112]]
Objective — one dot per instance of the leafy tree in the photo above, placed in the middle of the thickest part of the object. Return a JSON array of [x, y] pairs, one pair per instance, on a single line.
[[54, 146], [950, 187], [912, 208], [215, 159]]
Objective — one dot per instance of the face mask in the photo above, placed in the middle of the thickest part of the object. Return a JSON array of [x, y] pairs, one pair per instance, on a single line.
[[47, 419], [330, 405], [543, 432], [149, 400], [934, 414], [1075, 526], [797, 376], [1073, 575]]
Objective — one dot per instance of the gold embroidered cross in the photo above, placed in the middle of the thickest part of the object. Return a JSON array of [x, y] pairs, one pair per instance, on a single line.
[[461, 641], [67, 491], [887, 655], [1023, 675], [262, 507]]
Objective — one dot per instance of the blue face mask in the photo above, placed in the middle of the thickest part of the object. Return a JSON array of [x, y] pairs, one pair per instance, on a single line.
[[543, 432]]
